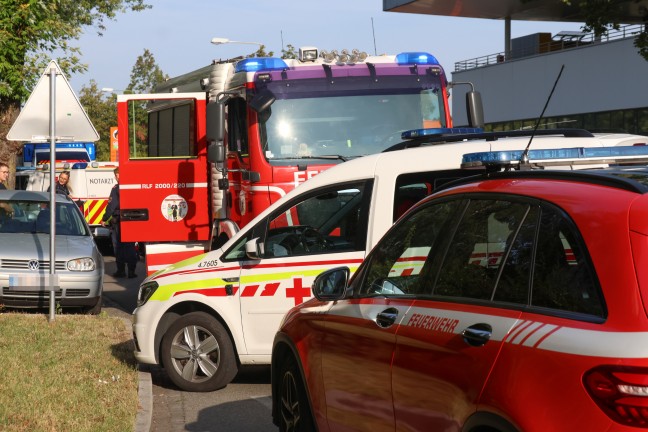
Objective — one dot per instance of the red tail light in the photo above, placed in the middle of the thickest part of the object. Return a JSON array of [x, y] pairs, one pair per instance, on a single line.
[[621, 392]]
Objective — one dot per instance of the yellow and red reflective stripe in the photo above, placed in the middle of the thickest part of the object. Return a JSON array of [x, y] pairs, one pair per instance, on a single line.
[[93, 210]]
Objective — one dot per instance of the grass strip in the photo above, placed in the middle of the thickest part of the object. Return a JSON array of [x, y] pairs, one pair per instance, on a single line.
[[76, 373]]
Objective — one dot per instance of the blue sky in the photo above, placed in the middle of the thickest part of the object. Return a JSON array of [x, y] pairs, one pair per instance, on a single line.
[[178, 33]]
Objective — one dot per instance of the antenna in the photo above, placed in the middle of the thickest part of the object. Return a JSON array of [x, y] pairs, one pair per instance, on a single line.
[[525, 155], [373, 32]]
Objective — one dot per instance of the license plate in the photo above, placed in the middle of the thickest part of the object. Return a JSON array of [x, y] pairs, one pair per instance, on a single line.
[[39, 282]]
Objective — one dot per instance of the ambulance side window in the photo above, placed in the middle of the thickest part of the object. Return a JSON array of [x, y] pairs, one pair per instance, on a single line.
[[413, 187], [330, 220], [237, 252]]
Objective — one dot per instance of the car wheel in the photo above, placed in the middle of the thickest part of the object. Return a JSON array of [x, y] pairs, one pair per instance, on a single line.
[[94, 310], [295, 413], [197, 353]]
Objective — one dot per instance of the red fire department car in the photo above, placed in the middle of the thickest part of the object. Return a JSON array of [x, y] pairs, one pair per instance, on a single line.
[[513, 302]]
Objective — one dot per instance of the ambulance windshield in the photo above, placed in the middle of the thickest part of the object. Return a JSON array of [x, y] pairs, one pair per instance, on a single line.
[[352, 118]]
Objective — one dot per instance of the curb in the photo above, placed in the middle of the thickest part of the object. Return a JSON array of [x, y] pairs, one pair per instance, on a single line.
[[144, 416]]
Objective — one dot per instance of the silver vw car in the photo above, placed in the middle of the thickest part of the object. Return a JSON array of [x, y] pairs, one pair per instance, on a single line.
[[25, 276]]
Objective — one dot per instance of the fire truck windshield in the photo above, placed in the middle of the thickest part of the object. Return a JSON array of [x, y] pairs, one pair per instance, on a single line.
[[342, 121]]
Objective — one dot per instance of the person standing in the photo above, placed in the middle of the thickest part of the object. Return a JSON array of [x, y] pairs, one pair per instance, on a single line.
[[125, 252], [7, 210], [62, 187], [4, 175]]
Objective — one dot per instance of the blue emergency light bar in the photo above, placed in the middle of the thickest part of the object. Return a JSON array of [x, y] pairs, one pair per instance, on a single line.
[[415, 133], [256, 64], [417, 58], [561, 156]]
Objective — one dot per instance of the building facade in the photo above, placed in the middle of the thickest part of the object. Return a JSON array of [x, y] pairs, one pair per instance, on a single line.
[[603, 85]]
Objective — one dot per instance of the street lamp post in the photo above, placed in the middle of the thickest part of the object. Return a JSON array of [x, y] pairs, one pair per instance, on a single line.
[[112, 90], [223, 41]]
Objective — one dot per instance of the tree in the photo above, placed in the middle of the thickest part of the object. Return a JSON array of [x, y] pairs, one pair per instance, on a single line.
[[601, 16], [102, 112], [31, 31], [146, 74], [102, 109], [261, 52], [289, 53]]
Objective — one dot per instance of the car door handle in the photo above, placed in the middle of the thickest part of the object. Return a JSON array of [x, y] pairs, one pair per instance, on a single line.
[[477, 335], [134, 215], [387, 317]]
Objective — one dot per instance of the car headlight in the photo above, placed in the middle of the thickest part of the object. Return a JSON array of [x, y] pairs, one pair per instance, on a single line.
[[146, 290], [81, 264]]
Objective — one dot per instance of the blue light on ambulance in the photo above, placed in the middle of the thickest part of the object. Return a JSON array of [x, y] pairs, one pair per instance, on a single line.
[[506, 156], [415, 133], [260, 64], [418, 58]]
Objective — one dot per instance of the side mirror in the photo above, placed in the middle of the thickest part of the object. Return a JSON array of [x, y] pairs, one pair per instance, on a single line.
[[215, 121], [475, 109], [262, 101], [254, 249], [331, 284], [216, 152]]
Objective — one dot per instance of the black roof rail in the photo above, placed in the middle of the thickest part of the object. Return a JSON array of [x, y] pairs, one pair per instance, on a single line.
[[615, 177], [488, 136]]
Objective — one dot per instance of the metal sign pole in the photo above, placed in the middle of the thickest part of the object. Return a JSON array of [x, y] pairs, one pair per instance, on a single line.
[[52, 133]]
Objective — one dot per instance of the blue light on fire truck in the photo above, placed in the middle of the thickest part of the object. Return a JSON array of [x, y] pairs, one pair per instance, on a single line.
[[418, 58], [261, 63], [415, 133], [576, 154]]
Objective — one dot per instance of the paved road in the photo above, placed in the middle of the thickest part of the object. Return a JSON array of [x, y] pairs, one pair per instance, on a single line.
[[242, 406]]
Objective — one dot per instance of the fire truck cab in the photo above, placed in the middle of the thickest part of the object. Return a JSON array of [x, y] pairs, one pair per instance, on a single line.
[[270, 124]]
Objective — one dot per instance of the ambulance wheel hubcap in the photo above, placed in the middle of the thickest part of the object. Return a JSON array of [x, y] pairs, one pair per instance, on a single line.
[[195, 354]]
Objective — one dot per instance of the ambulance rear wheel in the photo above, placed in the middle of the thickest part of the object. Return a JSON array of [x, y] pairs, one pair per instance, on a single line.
[[197, 353]]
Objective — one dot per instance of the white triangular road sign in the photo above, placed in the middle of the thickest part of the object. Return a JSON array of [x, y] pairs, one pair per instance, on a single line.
[[72, 122]]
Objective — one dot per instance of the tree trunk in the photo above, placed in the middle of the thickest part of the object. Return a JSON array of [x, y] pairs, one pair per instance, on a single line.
[[9, 149]]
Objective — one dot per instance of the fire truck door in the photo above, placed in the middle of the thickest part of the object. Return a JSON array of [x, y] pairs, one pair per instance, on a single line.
[[164, 189]]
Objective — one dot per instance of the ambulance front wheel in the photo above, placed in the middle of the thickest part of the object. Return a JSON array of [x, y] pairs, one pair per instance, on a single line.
[[197, 353]]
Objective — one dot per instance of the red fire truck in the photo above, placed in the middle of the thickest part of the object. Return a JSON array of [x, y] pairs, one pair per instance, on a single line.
[[212, 149]]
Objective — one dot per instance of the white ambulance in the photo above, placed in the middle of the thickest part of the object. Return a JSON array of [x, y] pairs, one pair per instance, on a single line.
[[204, 317]]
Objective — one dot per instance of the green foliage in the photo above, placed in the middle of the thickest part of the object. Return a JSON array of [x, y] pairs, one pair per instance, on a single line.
[[102, 110], [31, 30], [146, 74], [289, 53], [261, 52], [641, 43]]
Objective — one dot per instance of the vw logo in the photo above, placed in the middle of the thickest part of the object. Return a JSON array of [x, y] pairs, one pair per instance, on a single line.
[[33, 264]]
